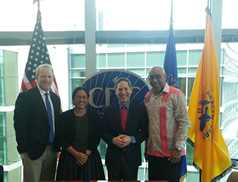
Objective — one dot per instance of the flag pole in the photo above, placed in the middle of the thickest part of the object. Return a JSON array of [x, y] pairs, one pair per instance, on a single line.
[[207, 10], [171, 13], [209, 4], [38, 3]]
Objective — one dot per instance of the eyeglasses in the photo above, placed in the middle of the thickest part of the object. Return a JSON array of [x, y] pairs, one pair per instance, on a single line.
[[157, 77]]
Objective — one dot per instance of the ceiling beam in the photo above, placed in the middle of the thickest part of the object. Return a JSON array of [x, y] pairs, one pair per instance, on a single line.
[[114, 37]]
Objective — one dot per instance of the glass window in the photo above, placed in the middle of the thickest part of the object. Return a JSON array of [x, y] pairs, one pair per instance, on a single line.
[[140, 72], [181, 58], [134, 14], [76, 82], [194, 57], [181, 70], [1, 91], [2, 137], [190, 86], [189, 152], [155, 59], [135, 45], [228, 10], [1, 151], [1, 66], [78, 61], [69, 15], [192, 71], [101, 61], [116, 45], [77, 73], [135, 60], [2, 122], [182, 85], [116, 60]]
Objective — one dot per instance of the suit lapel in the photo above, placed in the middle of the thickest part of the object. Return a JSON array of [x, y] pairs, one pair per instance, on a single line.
[[54, 102], [117, 119], [40, 102]]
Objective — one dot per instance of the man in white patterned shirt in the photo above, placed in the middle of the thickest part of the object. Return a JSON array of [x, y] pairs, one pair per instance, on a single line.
[[168, 122]]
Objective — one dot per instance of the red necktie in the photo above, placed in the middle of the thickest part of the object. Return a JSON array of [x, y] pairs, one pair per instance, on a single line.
[[123, 116]]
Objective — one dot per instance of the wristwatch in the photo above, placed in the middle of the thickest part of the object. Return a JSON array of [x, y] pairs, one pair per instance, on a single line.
[[178, 148], [133, 139]]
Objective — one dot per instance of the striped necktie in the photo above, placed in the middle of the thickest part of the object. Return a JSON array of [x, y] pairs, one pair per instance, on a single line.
[[50, 119]]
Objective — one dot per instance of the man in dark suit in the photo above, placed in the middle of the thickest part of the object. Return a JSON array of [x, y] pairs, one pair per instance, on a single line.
[[35, 116], [125, 130]]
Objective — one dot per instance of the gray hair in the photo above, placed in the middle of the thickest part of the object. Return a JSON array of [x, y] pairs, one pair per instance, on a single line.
[[44, 66]]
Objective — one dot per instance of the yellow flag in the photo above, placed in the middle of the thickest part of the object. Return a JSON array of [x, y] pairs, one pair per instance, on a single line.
[[210, 151]]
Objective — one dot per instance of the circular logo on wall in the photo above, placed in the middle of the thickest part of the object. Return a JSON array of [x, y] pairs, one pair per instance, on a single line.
[[101, 88]]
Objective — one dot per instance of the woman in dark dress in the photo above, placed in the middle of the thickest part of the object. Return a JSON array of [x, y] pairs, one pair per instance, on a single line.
[[79, 138]]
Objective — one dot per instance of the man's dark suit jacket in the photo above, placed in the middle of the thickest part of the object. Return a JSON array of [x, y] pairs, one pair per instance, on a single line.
[[136, 126], [31, 122]]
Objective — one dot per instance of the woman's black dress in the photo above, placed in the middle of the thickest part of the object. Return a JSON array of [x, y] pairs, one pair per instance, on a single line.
[[83, 134]]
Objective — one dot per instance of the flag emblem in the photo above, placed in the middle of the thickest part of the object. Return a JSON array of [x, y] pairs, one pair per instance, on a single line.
[[206, 116]]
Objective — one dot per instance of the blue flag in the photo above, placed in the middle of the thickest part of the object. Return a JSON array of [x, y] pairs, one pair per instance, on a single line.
[[183, 168], [170, 61], [170, 67]]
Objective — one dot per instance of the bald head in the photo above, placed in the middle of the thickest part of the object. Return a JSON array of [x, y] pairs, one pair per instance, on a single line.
[[157, 70], [157, 78]]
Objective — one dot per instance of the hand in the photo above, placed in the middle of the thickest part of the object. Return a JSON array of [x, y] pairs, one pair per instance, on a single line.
[[125, 139], [81, 158], [121, 141], [118, 141], [175, 156], [88, 152]]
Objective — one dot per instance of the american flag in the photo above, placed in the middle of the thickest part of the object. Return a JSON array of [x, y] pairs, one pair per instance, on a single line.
[[38, 55]]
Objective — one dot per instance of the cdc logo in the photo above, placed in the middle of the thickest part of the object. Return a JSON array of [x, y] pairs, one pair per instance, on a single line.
[[101, 88]]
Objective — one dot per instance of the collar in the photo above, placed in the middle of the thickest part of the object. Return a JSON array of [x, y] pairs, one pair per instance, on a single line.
[[166, 88], [42, 92], [126, 104]]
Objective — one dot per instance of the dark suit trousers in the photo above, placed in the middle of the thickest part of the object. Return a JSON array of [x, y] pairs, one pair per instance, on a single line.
[[163, 169], [122, 171]]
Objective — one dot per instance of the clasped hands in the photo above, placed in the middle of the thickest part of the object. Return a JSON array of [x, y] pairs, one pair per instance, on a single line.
[[121, 141], [82, 157]]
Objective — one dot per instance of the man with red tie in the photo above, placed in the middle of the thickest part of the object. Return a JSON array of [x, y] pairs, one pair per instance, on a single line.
[[125, 130]]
